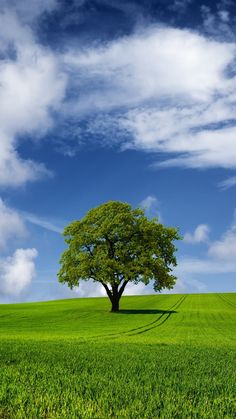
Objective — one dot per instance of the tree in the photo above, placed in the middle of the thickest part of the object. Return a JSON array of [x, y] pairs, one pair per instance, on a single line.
[[116, 245]]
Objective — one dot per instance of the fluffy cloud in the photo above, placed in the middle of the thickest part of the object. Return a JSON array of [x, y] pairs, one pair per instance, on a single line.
[[157, 63], [11, 225], [162, 89], [225, 248], [220, 258], [200, 235], [172, 91], [17, 272], [31, 86]]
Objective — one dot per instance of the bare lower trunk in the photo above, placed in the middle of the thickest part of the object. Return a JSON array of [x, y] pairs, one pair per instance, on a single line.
[[115, 301], [114, 295]]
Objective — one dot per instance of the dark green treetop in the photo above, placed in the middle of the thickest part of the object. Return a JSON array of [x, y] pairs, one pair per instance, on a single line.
[[114, 245]]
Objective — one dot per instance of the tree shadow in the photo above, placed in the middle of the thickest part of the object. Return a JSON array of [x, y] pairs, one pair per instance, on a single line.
[[151, 311]]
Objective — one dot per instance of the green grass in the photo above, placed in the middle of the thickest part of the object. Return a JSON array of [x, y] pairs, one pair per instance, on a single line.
[[162, 356]]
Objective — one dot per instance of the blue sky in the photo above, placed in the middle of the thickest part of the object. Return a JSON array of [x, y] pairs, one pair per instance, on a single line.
[[116, 100]]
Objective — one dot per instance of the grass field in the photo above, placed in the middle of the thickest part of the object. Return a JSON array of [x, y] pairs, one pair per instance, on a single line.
[[162, 356]]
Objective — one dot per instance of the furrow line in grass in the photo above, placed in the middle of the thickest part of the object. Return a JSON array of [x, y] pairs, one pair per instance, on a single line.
[[164, 312], [156, 323], [167, 313], [177, 305], [229, 303], [221, 332], [127, 332], [223, 298], [215, 323]]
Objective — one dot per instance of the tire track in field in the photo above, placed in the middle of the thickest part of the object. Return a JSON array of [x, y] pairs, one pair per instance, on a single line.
[[225, 300], [156, 323], [163, 313], [160, 321], [221, 330]]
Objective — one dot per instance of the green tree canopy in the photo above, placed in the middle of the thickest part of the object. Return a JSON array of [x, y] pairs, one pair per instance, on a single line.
[[115, 245]]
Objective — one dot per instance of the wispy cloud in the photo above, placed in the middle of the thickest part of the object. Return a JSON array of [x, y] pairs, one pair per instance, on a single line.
[[227, 183], [41, 222], [180, 6]]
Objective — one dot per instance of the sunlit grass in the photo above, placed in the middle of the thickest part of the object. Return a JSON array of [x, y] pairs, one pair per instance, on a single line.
[[167, 356]]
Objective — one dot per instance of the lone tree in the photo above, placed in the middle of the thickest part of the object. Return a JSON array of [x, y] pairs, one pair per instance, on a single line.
[[115, 245]]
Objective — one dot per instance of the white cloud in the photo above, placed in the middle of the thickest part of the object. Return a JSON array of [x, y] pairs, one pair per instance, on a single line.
[[151, 206], [182, 132], [158, 63], [11, 225], [173, 90], [187, 285], [95, 289], [138, 289], [209, 265], [220, 257], [89, 289], [17, 272], [149, 202], [31, 86], [200, 235], [170, 87], [227, 183], [225, 248], [41, 222]]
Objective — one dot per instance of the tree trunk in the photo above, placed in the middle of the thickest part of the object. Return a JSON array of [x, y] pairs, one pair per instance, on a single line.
[[115, 294], [115, 299], [115, 303]]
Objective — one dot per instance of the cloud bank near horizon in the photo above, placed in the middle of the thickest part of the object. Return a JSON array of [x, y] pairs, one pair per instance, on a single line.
[[17, 272]]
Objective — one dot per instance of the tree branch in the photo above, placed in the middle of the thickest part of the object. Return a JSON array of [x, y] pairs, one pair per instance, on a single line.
[[121, 290], [89, 250], [111, 249], [109, 293]]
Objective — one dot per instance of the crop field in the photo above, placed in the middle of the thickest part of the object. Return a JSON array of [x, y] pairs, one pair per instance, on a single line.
[[161, 356]]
